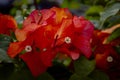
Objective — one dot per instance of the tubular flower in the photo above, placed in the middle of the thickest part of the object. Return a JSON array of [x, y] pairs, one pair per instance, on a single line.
[[7, 24], [48, 32]]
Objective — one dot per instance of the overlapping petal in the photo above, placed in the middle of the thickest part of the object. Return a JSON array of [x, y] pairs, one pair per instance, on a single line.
[[48, 32], [79, 31]]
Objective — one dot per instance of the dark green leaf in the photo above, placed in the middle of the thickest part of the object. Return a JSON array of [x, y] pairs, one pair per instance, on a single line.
[[4, 41], [115, 34], [23, 74], [4, 57], [117, 48], [4, 38], [83, 66], [111, 11], [45, 76], [79, 77], [98, 75], [107, 14]]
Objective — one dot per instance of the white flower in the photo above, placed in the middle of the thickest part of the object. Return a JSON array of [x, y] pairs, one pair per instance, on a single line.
[[28, 48], [109, 59], [67, 40], [44, 49]]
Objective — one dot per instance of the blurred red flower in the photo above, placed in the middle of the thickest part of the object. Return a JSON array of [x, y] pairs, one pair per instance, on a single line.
[[7, 24]]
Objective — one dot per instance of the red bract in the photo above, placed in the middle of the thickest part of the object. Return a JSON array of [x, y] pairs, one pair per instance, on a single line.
[[7, 24], [107, 59], [76, 33], [48, 32]]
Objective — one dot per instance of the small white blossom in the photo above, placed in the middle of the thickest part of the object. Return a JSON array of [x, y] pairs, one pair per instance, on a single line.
[[28, 48], [109, 59], [44, 49], [67, 40]]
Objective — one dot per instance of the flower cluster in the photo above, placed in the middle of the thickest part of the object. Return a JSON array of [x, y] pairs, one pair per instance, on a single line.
[[49, 32]]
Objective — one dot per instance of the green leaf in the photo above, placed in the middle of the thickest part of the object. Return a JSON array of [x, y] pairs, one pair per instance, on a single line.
[[107, 14], [78, 77], [83, 66], [117, 49], [110, 11], [4, 41], [45, 76], [94, 11], [4, 37], [98, 75], [115, 34], [4, 57], [23, 74]]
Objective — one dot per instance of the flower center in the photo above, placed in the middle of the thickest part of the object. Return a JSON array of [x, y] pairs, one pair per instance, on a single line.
[[109, 59], [44, 49], [28, 48], [67, 40]]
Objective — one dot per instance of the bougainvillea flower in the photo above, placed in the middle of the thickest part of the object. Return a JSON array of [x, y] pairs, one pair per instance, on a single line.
[[77, 32], [7, 24], [48, 32], [41, 18], [105, 57]]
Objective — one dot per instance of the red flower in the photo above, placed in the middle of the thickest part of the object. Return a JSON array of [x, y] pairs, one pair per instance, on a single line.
[[75, 34], [7, 24], [107, 59], [47, 32]]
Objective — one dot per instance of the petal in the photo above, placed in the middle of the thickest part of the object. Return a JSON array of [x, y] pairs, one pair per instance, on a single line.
[[44, 36], [83, 26], [61, 13], [39, 17], [34, 63], [14, 49], [22, 34], [47, 57], [66, 30], [84, 45], [82, 35], [34, 17]]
